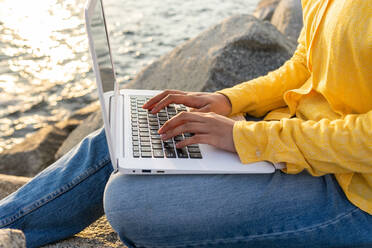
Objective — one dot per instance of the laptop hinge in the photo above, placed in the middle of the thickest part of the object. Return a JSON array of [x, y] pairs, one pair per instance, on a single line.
[[116, 166]]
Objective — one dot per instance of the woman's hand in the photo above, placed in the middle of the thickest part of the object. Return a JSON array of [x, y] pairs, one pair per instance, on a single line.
[[198, 101], [208, 128]]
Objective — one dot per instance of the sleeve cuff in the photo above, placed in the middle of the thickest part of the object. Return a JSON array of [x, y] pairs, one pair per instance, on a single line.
[[250, 141], [235, 96]]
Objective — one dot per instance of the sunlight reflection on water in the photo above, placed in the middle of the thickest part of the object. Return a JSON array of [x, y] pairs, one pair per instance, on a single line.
[[45, 70]]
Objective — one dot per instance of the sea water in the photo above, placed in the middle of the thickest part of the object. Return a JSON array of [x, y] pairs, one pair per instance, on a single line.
[[45, 68]]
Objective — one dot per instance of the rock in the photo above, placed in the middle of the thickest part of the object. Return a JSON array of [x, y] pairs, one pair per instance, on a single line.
[[265, 9], [99, 234], [11, 238], [38, 151], [34, 154], [92, 123], [288, 18], [9, 184], [238, 49]]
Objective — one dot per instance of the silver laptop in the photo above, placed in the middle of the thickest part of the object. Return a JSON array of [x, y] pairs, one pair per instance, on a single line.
[[135, 146]]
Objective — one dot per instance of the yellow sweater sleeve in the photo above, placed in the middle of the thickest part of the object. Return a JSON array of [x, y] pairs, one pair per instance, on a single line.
[[260, 95], [338, 146]]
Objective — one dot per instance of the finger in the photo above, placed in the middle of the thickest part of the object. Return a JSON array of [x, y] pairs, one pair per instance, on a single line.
[[196, 139], [178, 120], [187, 100], [160, 96], [188, 127], [204, 109]]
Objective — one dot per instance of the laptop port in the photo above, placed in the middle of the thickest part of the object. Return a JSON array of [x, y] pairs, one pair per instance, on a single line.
[[146, 171], [160, 171]]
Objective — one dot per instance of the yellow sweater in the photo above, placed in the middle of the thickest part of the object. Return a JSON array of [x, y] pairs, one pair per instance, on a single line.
[[327, 85]]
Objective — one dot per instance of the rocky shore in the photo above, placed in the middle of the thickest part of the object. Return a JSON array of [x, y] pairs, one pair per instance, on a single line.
[[238, 49]]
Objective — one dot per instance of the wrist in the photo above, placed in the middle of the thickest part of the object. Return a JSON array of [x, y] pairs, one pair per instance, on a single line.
[[227, 106]]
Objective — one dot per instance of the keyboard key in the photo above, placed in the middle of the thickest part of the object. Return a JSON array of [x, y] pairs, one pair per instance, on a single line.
[[170, 153], [135, 138], [168, 144], [134, 128], [143, 129], [154, 132], [153, 123], [193, 150], [195, 155], [193, 146], [182, 153], [163, 115], [144, 134], [158, 154], [154, 141], [143, 125], [134, 133], [145, 139], [136, 154], [163, 118], [155, 137], [154, 127], [142, 121], [135, 143], [157, 146], [145, 143], [178, 138], [146, 154], [145, 149], [135, 148]]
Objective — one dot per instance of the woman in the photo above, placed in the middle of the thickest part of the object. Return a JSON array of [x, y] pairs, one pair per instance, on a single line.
[[318, 119]]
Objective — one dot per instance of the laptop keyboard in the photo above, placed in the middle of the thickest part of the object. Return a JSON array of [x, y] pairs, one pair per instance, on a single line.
[[146, 141]]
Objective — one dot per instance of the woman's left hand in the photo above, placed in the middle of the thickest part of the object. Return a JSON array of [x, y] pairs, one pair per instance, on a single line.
[[208, 128]]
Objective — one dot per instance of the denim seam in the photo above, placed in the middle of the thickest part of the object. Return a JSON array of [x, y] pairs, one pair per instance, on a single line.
[[253, 237], [53, 195]]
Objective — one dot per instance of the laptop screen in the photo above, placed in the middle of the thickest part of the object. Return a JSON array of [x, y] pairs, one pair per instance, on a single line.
[[102, 48]]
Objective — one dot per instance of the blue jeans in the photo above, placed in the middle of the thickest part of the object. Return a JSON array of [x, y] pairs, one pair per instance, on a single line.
[[274, 210]]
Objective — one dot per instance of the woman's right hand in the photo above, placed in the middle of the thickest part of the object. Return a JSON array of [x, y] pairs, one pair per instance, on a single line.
[[197, 101]]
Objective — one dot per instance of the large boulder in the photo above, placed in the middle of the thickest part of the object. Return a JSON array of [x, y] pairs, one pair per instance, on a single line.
[[11, 238], [265, 9], [34, 154], [238, 49], [37, 151], [92, 123], [288, 18]]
